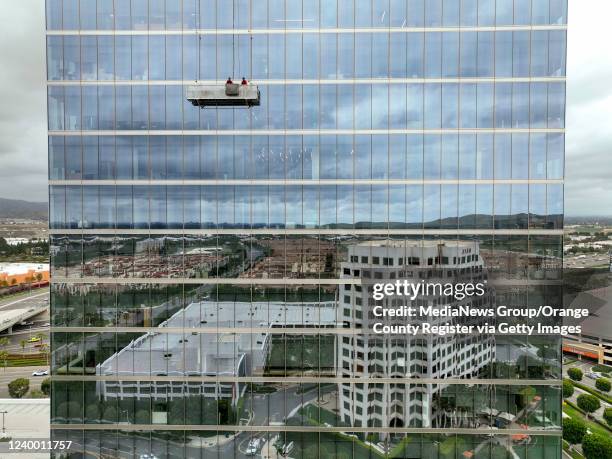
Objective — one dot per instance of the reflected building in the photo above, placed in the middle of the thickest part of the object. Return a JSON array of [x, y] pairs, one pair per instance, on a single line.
[[212, 353], [374, 356], [432, 127]]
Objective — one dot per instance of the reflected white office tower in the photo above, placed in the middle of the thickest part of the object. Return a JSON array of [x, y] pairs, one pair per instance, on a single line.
[[370, 356]]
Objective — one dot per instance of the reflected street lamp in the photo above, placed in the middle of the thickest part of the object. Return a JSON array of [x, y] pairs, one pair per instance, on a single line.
[[3, 429]]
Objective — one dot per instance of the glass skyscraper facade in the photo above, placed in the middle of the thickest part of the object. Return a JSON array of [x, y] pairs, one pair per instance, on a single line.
[[210, 266]]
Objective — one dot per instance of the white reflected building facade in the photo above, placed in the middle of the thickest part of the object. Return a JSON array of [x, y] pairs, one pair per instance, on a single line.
[[374, 356]]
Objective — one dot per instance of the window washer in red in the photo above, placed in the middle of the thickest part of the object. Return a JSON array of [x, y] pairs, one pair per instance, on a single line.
[[244, 81], [229, 80]]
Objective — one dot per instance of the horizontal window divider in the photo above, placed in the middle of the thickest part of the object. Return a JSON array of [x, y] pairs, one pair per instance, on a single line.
[[310, 231], [256, 331], [312, 379], [282, 82], [201, 281], [322, 429], [315, 330], [255, 281], [284, 31], [306, 132], [306, 182]]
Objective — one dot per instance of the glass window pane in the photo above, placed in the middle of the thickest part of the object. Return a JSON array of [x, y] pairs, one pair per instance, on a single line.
[[106, 16], [520, 156], [87, 20], [484, 157], [56, 158], [558, 11], [433, 54], [469, 56], [72, 58], [503, 54], [520, 57], [469, 12], [540, 11], [486, 13], [555, 154], [503, 156], [54, 14], [56, 107], [485, 54], [450, 54], [89, 58], [140, 14], [416, 13], [450, 13], [504, 12], [55, 58], [433, 13], [415, 55], [70, 14], [522, 12]]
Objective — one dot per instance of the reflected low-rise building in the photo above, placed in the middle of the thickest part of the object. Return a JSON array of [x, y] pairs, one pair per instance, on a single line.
[[595, 341], [212, 353]]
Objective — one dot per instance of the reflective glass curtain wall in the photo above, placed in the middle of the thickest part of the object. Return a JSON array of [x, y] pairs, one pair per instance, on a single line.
[[207, 264]]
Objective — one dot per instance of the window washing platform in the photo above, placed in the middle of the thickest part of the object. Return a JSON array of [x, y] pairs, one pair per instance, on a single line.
[[224, 95]]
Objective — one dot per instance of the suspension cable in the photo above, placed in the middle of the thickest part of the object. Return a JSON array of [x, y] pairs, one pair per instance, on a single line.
[[239, 68], [199, 38], [233, 37]]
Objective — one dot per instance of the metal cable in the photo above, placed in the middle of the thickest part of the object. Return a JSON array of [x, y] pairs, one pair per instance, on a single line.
[[233, 37]]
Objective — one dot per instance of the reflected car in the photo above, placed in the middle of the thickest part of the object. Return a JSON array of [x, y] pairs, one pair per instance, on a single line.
[[40, 372], [254, 446]]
